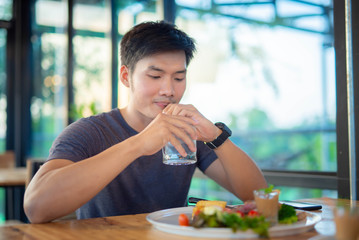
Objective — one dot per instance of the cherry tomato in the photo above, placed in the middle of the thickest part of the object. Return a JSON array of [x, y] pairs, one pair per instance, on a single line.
[[183, 220], [253, 213]]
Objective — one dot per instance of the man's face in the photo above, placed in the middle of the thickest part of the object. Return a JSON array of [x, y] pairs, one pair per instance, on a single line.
[[157, 81]]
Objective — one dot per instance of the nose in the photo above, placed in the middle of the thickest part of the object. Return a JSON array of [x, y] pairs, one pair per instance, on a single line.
[[167, 88]]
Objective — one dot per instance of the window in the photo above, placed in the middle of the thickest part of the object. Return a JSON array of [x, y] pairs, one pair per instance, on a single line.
[[48, 102], [67, 77], [92, 56], [269, 73], [273, 83], [5, 17]]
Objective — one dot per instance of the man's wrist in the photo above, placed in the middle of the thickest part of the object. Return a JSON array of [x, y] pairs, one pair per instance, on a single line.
[[225, 132], [218, 132]]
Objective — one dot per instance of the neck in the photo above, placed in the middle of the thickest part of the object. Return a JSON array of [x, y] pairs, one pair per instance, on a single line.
[[135, 119]]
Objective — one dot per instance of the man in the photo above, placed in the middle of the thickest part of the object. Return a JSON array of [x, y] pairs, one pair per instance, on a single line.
[[111, 164]]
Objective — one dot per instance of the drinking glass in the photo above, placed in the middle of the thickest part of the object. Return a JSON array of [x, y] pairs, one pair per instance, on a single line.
[[268, 205], [346, 220], [172, 157]]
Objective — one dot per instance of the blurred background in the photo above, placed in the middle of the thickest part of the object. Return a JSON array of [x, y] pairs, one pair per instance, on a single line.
[[267, 68]]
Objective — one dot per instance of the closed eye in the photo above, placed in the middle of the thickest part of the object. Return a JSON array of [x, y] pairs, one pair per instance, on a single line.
[[154, 77]]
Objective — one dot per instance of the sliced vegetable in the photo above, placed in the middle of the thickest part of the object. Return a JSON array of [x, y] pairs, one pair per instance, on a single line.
[[215, 217]]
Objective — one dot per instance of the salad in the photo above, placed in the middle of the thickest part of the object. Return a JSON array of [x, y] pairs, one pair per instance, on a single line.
[[241, 218], [216, 217], [215, 214]]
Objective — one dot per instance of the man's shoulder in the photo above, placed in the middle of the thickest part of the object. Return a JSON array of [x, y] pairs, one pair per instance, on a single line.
[[93, 124], [112, 114], [87, 137], [104, 118]]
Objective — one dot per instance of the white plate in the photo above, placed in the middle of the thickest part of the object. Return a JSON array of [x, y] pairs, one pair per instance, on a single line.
[[167, 221]]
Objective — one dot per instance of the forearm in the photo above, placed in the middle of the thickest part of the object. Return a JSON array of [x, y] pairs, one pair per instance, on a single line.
[[242, 174], [58, 190]]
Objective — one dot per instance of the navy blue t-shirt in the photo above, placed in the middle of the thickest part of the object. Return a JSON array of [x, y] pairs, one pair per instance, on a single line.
[[146, 185]]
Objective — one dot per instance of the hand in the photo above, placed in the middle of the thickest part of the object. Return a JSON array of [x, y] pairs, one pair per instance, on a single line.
[[206, 131], [165, 128]]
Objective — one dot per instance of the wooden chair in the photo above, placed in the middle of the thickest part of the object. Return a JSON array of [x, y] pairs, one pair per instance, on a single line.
[[32, 166], [7, 159]]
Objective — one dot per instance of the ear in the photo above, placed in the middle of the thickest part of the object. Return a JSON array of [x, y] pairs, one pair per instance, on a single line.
[[124, 76]]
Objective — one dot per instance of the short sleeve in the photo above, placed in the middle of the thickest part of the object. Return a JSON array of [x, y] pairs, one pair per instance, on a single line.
[[205, 156], [77, 142]]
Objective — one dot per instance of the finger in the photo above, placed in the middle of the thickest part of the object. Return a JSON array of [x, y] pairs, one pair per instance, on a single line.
[[187, 110], [178, 135], [184, 124], [176, 143], [177, 120], [176, 109], [168, 109]]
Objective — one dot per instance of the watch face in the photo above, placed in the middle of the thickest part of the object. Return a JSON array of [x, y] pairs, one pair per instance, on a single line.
[[224, 128]]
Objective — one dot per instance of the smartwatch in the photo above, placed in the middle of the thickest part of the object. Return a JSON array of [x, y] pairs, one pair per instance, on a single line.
[[226, 132]]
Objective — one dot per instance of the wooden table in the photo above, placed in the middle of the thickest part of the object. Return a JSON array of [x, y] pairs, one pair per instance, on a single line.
[[13, 176], [134, 227], [13, 180]]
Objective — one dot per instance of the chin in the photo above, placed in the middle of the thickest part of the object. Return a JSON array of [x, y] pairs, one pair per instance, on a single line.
[[153, 113]]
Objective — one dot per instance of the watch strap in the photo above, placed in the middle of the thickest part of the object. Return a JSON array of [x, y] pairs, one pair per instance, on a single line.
[[226, 133]]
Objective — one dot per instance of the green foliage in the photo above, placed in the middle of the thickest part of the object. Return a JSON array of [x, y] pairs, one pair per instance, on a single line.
[[272, 148], [269, 189], [78, 111], [50, 86], [256, 119], [304, 147]]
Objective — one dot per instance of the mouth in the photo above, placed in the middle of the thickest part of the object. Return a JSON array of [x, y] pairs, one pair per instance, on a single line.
[[163, 102], [162, 105]]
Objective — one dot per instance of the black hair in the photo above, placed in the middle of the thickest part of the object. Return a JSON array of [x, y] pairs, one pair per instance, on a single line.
[[149, 38]]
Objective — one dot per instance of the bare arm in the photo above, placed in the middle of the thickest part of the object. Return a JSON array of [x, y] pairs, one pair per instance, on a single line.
[[61, 186], [233, 169], [236, 171]]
